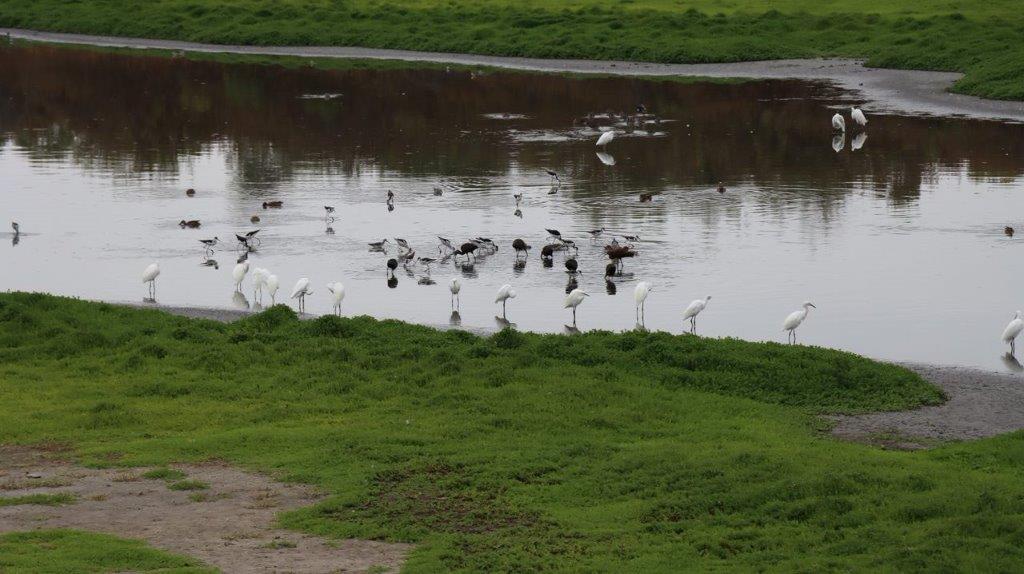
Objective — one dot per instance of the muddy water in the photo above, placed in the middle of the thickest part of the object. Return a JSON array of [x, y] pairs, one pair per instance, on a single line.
[[897, 237]]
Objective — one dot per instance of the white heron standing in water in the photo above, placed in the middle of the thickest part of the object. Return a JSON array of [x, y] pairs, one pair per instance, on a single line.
[[505, 293], [300, 291], [455, 286], [643, 289], [573, 299], [273, 283], [838, 123], [149, 276], [239, 273], [606, 138], [1012, 330], [691, 312], [259, 279], [795, 319], [337, 291], [858, 117]]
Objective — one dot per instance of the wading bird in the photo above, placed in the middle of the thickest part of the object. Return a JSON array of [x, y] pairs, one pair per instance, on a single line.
[[455, 286], [553, 175], [209, 243], [1008, 231], [337, 291], [795, 319], [391, 197], [595, 233], [378, 246], [467, 250], [438, 192], [445, 243], [273, 284], [190, 192], [1012, 330], [606, 138], [149, 276], [239, 273], [520, 246], [573, 299], [571, 265], [838, 123], [858, 117], [721, 187], [392, 265], [505, 293], [554, 233], [273, 204], [693, 310], [259, 278], [518, 197], [16, 228], [643, 289], [328, 210], [300, 291]]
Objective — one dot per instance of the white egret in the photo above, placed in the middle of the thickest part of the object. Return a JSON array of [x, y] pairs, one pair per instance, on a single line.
[[337, 291], [1012, 330], [573, 299], [838, 123], [149, 276], [505, 293], [606, 158], [273, 283], [300, 291], [858, 141], [693, 310], [259, 278], [858, 116], [643, 289], [606, 138], [838, 141], [455, 286], [795, 319], [239, 273]]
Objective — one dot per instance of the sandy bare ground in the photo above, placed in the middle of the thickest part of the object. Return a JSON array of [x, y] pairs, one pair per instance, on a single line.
[[879, 90], [981, 404], [233, 528]]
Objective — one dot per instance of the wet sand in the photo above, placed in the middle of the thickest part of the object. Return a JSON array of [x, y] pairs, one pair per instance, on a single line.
[[878, 90], [981, 403]]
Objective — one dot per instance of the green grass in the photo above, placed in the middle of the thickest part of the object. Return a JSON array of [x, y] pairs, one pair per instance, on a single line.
[[40, 499], [164, 473], [188, 485], [980, 39], [63, 551], [632, 452]]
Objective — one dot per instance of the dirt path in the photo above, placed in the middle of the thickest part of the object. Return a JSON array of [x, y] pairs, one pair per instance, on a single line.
[[230, 525], [981, 404], [900, 91]]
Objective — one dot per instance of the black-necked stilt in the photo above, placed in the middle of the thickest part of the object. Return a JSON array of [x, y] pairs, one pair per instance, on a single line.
[[16, 227], [554, 233], [391, 196], [378, 245], [446, 243], [595, 233], [553, 175], [329, 209], [209, 243], [402, 243]]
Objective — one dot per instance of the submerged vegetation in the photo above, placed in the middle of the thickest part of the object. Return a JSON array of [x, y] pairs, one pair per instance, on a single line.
[[980, 40], [598, 452]]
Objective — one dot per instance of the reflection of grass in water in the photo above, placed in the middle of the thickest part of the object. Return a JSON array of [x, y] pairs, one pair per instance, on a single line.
[[627, 452], [981, 39], [75, 551]]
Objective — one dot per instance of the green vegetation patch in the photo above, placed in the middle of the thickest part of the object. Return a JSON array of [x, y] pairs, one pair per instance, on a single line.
[[62, 551], [57, 499]]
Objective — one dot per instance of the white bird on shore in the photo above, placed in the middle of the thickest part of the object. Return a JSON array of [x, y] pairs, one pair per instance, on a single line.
[[455, 286], [259, 279], [838, 123], [573, 299], [337, 291], [505, 293], [1012, 330], [643, 289], [149, 276], [858, 116], [273, 283], [795, 319], [300, 291], [239, 273], [606, 138], [693, 310]]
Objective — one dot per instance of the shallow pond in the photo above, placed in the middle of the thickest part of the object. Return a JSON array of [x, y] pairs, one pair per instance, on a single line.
[[897, 237]]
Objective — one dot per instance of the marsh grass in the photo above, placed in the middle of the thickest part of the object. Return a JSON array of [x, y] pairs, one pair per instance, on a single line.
[[982, 40], [600, 452], [62, 551]]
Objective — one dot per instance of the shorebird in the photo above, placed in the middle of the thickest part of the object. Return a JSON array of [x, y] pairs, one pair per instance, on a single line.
[[571, 265], [300, 291], [16, 228], [858, 116], [337, 291], [149, 275], [691, 312], [721, 187], [467, 249], [455, 286], [838, 123], [795, 319], [378, 245], [209, 243], [573, 299], [328, 209], [606, 138], [520, 246], [553, 175], [446, 243], [1008, 231], [643, 289], [595, 233], [392, 265], [505, 293], [1012, 330]]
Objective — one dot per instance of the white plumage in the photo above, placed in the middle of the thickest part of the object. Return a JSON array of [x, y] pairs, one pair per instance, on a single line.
[[505, 293], [573, 299], [606, 138], [858, 116], [273, 284], [337, 290], [1012, 330], [691, 312], [239, 273], [643, 289], [259, 279], [858, 141], [149, 275], [838, 123], [795, 319], [300, 291], [455, 286]]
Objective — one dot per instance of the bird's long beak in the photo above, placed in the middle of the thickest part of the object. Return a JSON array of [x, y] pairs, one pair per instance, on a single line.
[[813, 305]]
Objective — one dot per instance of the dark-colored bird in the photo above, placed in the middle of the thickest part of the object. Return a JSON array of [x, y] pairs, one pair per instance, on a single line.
[[209, 243], [438, 191], [251, 234], [571, 265], [190, 192], [645, 197], [520, 246], [721, 187], [191, 224], [16, 228], [392, 265], [378, 245], [596, 232], [610, 269], [254, 219], [554, 233], [553, 175], [619, 252], [641, 109], [391, 196], [329, 209], [548, 251], [467, 249], [243, 257], [631, 237], [273, 204], [1008, 231]]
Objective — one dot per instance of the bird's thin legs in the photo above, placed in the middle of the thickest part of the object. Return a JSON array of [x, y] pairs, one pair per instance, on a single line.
[[574, 316]]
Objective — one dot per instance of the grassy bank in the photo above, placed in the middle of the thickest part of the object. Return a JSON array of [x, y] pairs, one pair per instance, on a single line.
[[63, 551], [981, 40], [599, 452]]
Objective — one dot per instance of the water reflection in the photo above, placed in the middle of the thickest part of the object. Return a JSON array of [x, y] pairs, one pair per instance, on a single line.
[[858, 141]]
